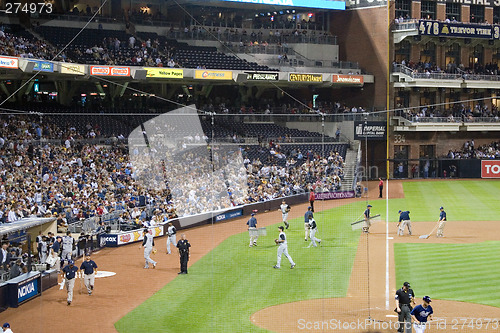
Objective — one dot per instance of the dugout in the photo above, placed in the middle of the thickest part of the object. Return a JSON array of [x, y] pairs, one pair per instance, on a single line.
[[29, 285]]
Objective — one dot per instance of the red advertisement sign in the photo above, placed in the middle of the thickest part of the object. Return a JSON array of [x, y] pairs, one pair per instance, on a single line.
[[109, 71], [490, 169], [355, 79]]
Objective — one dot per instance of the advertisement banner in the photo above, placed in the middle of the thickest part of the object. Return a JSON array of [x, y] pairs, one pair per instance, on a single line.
[[137, 235], [9, 62], [333, 195], [164, 73], [73, 69], [108, 240], [371, 130], [109, 71], [230, 215], [262, 76], [304, 77], [457, 29], [43, 66], [354, 79], [490, 169], [28, 289], [213, 75]]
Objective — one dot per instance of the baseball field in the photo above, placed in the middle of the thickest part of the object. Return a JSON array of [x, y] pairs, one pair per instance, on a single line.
[[234, 281], [234, 288]]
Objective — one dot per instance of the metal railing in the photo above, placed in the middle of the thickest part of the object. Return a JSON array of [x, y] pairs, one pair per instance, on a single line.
[[398, 68]]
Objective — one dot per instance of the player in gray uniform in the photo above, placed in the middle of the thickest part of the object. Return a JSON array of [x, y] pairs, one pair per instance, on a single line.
[[284, 213], [313, 228], [67, 247], [171, 232], [148, 244], [283, 248]]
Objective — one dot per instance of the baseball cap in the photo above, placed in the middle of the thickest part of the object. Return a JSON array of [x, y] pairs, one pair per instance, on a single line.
[[369, 206], [441, 207], [281, 227], [309, 207], [252, 214], [70, 262], [6, 325], [406, 284], [427, 299], [399, 211]]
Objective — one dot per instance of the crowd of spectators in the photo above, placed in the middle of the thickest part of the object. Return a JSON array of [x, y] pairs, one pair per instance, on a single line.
[[458, 112], [451, 68], [73, 180], [470, 150], [24, 47]]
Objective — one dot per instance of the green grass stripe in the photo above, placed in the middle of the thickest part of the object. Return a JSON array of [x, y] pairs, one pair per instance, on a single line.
[[460, 272]]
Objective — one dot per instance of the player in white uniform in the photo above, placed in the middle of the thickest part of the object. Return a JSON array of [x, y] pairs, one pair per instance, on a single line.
[[148, 244], [171, 232], [313, 228], [283, 249], [284, 213]]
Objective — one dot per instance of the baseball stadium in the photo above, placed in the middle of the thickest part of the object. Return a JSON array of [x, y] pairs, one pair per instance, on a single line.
[[249, 166]]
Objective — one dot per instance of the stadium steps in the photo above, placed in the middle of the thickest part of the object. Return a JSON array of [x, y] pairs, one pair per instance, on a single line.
[[349, 169]]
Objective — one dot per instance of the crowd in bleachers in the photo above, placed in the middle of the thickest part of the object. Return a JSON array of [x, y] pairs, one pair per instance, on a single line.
[[23, 44], [470, 150], [74, 180]]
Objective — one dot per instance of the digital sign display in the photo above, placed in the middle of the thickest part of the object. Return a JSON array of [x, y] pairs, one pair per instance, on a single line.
[[321, 4]]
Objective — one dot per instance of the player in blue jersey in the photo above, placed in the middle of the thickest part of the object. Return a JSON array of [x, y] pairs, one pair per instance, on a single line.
[[404, 220], [442, 222], [420, 314]]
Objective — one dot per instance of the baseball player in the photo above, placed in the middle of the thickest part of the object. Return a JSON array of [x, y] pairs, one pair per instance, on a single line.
[[404, 220], [442, 222], [366, 228], [6, 328], [171, 231], [313, 228], [420, 314], [148, 244], [308, 214], [69, 275], [89, 269], [67, 247], [252, 230], [283, 249], [284, 213]]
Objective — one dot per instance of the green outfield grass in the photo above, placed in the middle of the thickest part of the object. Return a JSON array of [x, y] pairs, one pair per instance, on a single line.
[[233, 281], [463, 200], [458, 272]]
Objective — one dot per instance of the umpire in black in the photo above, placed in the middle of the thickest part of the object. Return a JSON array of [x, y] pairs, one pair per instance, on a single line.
[[183, 246], [404, 299]]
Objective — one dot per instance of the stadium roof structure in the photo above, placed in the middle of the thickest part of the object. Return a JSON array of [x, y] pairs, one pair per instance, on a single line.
[[23, 224]]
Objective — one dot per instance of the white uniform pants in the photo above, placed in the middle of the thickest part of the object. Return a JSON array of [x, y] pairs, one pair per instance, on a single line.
[[88, 281], [66, 255], [171, 240], [402, 225], [43, 257], [283, 249], [70, 285], [284, 216], [306, 230], [312, 235], [147, 256], [252, 231], [419, 328], [441, 228]]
